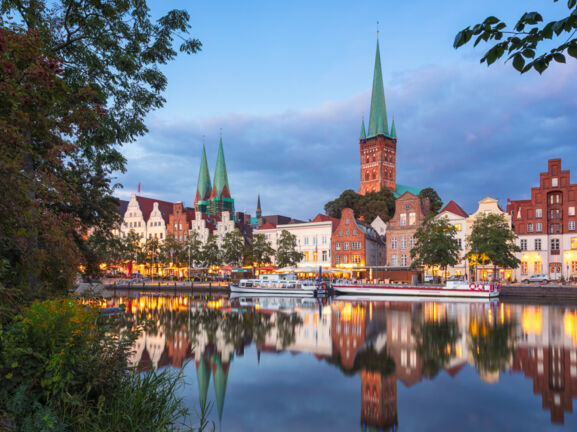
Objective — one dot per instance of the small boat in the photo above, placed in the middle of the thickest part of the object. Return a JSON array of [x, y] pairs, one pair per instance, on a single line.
[[279, 285], [456, 288]]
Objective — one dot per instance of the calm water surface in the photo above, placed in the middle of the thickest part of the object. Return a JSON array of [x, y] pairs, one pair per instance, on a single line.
[[345, 364]]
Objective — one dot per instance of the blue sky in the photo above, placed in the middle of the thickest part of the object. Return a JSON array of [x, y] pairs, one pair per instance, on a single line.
[[288, 84]]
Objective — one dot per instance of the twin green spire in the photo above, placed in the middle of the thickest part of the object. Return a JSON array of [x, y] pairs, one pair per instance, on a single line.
[[220, 175], [204, 188], [378, 123]]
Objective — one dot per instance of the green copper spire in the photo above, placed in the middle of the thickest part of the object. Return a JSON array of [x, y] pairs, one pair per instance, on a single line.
[[220, 379], [393, 130], [363, 132], [378, 119], [220, 175], [203, 375], [203, 185]]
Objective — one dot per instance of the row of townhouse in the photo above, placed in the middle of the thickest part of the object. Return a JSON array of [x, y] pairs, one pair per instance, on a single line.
[[151, 218]]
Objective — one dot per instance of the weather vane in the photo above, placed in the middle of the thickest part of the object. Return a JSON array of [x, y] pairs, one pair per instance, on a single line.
[[377, 28]]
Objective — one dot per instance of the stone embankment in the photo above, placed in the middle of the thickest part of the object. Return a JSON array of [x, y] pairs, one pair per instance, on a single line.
[[545, 293]]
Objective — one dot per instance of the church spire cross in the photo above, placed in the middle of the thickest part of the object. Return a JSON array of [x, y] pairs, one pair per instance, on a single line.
[[378, 123]]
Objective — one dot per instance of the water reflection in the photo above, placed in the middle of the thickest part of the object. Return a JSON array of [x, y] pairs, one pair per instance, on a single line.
[[382, 342]]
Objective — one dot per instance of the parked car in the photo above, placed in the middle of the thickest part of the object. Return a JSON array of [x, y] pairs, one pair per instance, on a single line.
[[538, 277], [429, 279]]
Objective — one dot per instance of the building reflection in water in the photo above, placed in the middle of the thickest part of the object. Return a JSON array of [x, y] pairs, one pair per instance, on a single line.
[[382, 341]]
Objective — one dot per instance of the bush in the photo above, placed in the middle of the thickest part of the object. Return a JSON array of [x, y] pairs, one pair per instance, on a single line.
[[63, 370]]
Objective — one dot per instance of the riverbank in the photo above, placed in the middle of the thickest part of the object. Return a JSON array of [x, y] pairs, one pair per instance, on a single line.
[[547, 293]]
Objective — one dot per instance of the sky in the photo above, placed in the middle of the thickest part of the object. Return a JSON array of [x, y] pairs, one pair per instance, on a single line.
[[287, 84]]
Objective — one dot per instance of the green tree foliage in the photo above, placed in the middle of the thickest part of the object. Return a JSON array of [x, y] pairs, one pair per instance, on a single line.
[[433, 338], [64, 120], [523, 44], [286, 252], [40, 114], [62, 370], [232, 247], [435, 201], [194, 247], [172, 251], [492, 344], [211, 254], [435, 244], [492, 236], [367, 207], [151, 253], [262, 251]]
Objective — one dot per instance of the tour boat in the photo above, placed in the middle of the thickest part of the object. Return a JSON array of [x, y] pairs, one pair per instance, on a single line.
[[279, 284], [450, 289]]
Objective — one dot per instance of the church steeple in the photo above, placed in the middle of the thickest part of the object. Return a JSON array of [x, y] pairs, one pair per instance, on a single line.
[[258, 209], [203, 188], [363, 132], [393, 130], [378, 123], [221, 199]]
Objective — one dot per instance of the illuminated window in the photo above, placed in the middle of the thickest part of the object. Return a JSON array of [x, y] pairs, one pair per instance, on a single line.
[[356, 259], [345, 259], [573, 242], [539, 213], [538, 267], [315, 256], [403, 221], [523, 267], [306, 256], [412, 218], [458, 227], [537, 244], [573, 266]]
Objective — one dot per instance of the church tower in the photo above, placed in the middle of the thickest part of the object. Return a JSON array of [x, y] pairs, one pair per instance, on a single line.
[[220, 199], [379, 146], [203, 188]]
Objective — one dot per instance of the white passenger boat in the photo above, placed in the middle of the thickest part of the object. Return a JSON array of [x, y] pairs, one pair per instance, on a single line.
[[278, 284], [450, 289]]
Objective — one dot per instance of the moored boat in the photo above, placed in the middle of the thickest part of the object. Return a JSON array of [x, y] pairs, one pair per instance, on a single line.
[[279, 284], [450, 289]]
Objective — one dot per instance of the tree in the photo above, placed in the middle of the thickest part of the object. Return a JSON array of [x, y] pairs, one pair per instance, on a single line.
[[435, 201], [96, 72], [210, 252], [172, 251], [262, 251], [435, 244], [39, 116], [366, 207], [527, 36], [151, 252], [194, 247], [232, 247], [286, 252], [492, 236]]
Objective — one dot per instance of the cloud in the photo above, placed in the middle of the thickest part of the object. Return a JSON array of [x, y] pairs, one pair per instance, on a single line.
[[468, 131]]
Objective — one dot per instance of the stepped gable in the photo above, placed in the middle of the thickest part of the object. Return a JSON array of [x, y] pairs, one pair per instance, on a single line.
[[453, 207], [147, 204]]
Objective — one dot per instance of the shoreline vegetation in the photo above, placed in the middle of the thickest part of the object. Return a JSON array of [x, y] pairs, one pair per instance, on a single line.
[[66, 368]]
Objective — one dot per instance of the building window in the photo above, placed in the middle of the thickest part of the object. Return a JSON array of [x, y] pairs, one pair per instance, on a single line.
[[403, 260], [337, 259], [324, 240], [571, 211], [459, 242], [458, 227], [346, 246], [161, 236], [555, 244], [347, 221], [393, 243], [538, 227], [412, 242], [356, 259], [537, 244], [356, 245], [412, 218], [571, 225], [394, 260], [524, 267], [340, 233], [337, 246], [573, 242], [324, 255], [345, 259], [403, 243], [347, 232], [573, 266], [529, 227], [539, 213], [315, 256], [537, 267], [554, 182], [306, 256], [354, 232], [523, 244], [403, 219]]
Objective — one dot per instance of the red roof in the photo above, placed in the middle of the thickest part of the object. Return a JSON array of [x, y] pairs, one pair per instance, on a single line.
[[453, 371], [147, 204], [267, 225], [453, 207], [324, 218]]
